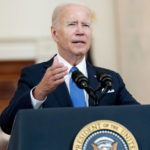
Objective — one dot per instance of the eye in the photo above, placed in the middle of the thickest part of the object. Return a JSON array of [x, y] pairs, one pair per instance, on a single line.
[[71, 24], [86, 25]]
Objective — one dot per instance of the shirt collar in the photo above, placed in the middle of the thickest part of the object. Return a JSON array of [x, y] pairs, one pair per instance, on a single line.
[[81, 66]]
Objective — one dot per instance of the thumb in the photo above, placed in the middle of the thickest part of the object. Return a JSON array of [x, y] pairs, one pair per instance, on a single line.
[[55, 60]]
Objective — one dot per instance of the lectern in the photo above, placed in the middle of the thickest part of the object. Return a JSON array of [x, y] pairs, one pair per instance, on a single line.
[[56, 128]]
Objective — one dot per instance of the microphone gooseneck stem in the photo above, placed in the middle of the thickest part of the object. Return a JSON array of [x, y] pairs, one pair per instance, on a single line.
[[93, 95], [104, 91]]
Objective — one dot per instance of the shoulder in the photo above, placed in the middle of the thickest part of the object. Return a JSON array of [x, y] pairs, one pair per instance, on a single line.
[[115, 75], [34, 73], [38, 67], [105, 70], [101, 70]]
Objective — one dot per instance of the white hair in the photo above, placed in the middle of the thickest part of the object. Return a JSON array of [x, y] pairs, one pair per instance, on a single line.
[[57, 11]]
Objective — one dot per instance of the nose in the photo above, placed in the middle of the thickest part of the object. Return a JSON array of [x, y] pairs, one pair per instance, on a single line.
[[80, 30]]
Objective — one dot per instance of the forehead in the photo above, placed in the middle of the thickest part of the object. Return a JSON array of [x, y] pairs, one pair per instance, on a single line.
[[75, 12]]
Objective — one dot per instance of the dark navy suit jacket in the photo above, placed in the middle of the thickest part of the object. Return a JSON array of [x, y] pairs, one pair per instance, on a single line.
[[32, 75]]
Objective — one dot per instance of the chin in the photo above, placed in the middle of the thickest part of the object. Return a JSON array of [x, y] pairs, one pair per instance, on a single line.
[[79, 51]]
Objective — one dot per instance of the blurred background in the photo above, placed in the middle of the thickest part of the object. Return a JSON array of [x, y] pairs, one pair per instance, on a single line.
[[121, 40]]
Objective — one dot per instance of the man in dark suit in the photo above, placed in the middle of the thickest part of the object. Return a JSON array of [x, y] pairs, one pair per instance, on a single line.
[[47, 84]]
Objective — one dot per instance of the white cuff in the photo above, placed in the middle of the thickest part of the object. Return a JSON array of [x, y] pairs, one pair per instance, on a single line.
[[36, 103]]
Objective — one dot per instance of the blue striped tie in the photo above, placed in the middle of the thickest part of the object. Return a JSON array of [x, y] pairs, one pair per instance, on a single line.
[[76, 94]]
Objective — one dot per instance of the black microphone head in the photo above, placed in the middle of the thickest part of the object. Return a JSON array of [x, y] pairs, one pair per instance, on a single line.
[[80, 79], [105, 79]]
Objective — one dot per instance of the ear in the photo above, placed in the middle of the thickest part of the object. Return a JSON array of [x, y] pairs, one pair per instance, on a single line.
[[54, 33]]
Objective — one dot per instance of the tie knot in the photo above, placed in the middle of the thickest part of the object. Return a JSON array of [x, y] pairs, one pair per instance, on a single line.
[[73, 69]]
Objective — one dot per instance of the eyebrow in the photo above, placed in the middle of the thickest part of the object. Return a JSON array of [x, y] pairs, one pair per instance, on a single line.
[[72, 22], [88, 23]]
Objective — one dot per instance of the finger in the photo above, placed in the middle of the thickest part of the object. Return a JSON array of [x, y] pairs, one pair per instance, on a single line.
[[60, 70], [57, 82], [56, 63], [59, 76], [55, 60]]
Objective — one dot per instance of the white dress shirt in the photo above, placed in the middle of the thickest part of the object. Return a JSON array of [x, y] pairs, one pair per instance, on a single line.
[[81, 66]]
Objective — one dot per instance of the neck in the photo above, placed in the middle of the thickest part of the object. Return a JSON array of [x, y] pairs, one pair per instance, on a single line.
[[73, 60], [76, 60]]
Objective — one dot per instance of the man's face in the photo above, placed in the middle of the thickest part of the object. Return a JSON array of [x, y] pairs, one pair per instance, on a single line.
[[73, 34]]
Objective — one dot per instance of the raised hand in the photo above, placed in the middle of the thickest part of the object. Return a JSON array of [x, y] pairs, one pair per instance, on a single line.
[[53, 76]]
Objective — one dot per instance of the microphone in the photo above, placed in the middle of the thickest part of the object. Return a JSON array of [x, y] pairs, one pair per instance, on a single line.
[[82, 82], [80, 79], [105, 80], [106, 83]]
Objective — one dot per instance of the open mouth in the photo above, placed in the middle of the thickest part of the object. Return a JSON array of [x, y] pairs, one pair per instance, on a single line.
[[78, 42]]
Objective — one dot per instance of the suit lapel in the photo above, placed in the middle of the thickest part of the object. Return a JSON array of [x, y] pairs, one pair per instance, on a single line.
[[49, 63], [93, 82], [62, 95]]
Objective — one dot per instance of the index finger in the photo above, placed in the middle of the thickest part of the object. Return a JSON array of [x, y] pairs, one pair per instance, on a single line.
[[56, 64]]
